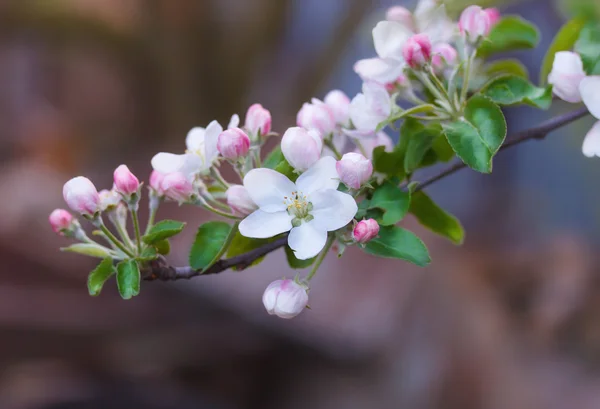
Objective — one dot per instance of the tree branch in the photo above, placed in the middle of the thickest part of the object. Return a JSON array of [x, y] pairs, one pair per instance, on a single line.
[[161, 270]]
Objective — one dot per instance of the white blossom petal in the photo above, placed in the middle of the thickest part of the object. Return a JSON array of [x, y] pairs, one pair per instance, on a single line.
[[187, 163], [389, 38], [591, 143], [307, 240], [234, 122], [590, 94], [267, 188], [332, 209], [360, 114], [211, 136], [321, 175], [194, 141], [379, 70], [262, 225], [437, 25]]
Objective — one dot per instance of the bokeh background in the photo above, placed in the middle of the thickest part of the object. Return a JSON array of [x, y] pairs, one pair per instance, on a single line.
[[509, 320]]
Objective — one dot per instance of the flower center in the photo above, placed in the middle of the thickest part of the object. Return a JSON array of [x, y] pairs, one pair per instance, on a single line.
[[299, 207]]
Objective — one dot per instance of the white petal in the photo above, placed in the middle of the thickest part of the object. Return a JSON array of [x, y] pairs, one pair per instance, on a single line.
[[195, 139], [307, 240], [267, 188], [332, 209], [234, 121], [378, 100], [261, 225], [321, 175], [188, 163], [213, 130], [378, 70], [389, 38], [437, 25], [361, 116], [591, 143], [590, 94]]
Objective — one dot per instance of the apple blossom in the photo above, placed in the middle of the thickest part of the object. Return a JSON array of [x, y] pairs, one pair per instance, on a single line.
[[474, 23], [233, 144], [494, 15], [81, 196], [400, 15], [301, 148], [591, 142], [417, 51], [308, 209], [126, 182], [239, 200], [258, 121], [443, 55], [339, 104], [370, 108], [285, 298], [109, 199], [177, 187], [155, 182], [566, 75], [354, 169], [316, 116], [365, 230], [589, 88], [61, 221]]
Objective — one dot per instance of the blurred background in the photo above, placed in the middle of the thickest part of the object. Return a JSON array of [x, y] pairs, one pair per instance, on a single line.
[[509, 320]]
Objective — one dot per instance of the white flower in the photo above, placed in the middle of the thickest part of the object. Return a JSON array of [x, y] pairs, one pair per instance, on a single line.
[[590, 94], [308, 208], [370, 108], [591, 143], [566, 75]]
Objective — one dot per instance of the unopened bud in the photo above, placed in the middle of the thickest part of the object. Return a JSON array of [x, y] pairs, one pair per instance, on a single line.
[[233, 144], [177, 187], [494, 15], [301, 148], [474, 23], [365, 230], [339, 104], [126, 182], [566, 76], [354, 169], [417, 50], [156, 179], [258, 120], [443, 55], [316, 116], [61, 221], [109, 199], [285, 298], [81, 196], [239, 200]]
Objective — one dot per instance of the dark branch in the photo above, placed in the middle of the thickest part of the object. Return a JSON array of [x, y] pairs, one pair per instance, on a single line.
[[161, 270]]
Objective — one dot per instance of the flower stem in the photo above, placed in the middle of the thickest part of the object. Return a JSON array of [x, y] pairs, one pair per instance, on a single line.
[[331, 146], [466, 78], [257, 160], [204, 204], [153, 208], [321, 257], [100, 224], [136, 227], [218, 177]]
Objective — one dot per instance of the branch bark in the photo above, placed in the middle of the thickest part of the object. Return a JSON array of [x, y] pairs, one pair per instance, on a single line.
[[160, 269]]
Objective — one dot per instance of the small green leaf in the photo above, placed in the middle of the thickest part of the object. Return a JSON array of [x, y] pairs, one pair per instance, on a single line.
[[128, 279], [396, 242], [469, 145], [510, 33], [511, 90], [489, 120], [418, 145], [148, 254], [563, 41], [435, 218], [506, 67], [388, 163], [99, 275], [587, 47], [286, 169], [242, 244], [393, 201], [163, 230], [273, 158], [163, 247], [92, 250], [294, 262], [211, 243]]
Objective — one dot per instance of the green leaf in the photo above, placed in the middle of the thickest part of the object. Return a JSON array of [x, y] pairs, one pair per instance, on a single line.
[[396, 242], [149, 253], [469, 145], [210, 244], [163, 230], [92, 250], [286, 169], [511, 90], [510, 33], [442, 149], [99, 275], [435, 218], [563, 41], [128, 279], [506, 67], [587, 47], [241, 244], [296, 263], [163, 247], [489, 120], [388, 163], [393, 201], [418, 145], [273, 158]]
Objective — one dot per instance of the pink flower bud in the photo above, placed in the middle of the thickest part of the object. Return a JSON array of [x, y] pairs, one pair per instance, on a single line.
[[474, 23], [239, 200], [258, 120], [417, 50], [125, 182], [365, 230], [109, 199], [301, 148], [156, 179], [354, 169], [400, 15], [444, 55], [61, 220], [81, 196], [318, 116], [494, 15], [177, 187], [233, 144], [566, 75], [339, 105], [285, 298]]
